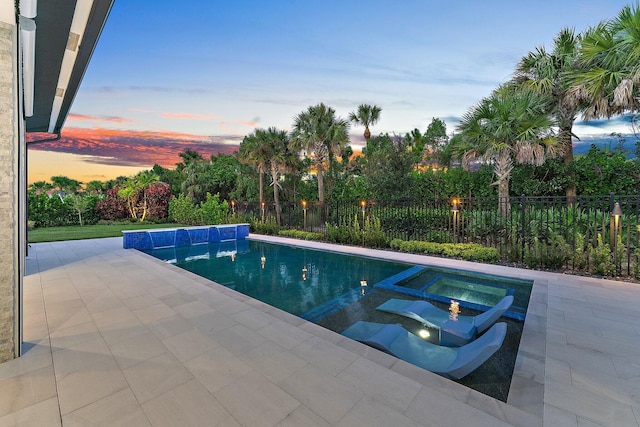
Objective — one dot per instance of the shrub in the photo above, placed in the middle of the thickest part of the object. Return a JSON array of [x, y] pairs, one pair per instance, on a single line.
[[213, 211], [112, 206], [158, 197], [551, 254], [467, 251], [183, 211], [50, 211], [601, 258], [299, 234], [269, 227]]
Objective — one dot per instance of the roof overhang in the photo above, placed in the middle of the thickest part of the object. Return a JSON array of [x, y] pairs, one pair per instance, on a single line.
[[67, 32]]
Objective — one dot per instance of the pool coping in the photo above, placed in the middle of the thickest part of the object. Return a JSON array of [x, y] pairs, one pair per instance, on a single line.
[[526, 395]]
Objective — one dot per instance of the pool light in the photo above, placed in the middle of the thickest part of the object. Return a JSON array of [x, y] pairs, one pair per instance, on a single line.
[[363, 284], [454, 310]]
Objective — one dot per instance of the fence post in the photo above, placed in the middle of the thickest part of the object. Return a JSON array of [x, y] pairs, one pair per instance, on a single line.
[[523, 200]]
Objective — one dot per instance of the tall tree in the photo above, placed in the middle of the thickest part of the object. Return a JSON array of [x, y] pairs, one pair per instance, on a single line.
[[512, 125], [546, 73], [323, 136], [66, 185], [188, 157], [94, 187], [387, 167], [366, 115], [435, 139], [281, 159], [254, 152]]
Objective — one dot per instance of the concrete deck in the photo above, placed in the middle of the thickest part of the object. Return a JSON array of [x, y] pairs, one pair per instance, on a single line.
[[115, 337]]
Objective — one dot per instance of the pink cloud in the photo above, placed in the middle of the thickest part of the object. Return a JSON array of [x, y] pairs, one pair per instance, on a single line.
[[189, 116], [85, 118], [246, 123], [131, 148]]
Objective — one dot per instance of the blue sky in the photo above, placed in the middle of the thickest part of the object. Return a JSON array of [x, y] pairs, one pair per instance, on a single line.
[[219, 69]]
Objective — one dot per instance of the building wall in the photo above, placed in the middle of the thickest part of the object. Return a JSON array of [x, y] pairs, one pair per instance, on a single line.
[[8, 197]]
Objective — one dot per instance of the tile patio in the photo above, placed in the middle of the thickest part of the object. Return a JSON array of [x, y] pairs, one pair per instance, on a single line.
[[115, 337]]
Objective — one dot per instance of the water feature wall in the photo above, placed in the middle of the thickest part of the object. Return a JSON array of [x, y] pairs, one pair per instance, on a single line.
[[183, 236]]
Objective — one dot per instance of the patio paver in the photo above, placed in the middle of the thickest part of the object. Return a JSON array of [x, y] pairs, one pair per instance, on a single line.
[[115, 337]]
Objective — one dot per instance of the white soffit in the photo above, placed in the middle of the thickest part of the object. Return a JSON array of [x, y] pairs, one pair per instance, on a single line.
[[78, 27]]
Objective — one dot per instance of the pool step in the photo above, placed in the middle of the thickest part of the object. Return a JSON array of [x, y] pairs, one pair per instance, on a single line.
[[336, 304]]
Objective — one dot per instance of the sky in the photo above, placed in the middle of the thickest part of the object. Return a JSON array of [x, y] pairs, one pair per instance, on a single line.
[[168, 76]]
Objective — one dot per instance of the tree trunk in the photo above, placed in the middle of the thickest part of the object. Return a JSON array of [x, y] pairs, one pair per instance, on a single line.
[[320, 184], [367, 133], [502, 169], [261, 175], [503, 196], [564, 138], [276, 197]]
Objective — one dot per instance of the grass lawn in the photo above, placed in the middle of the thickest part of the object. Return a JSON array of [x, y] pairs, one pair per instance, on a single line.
[[56, 234]]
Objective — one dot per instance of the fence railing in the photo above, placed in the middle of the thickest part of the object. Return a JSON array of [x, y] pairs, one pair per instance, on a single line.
[[551, 232]]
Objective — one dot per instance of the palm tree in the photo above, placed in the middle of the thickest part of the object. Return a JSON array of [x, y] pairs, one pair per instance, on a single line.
[[188, 157], [94, 187], [610, 53], [366, 115], [134, 192], [254, 152], [509, 126], [323, 136], [280, 160], [40, 186], [545, 72]]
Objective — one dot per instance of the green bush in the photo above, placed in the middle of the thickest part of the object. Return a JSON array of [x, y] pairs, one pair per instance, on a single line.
[[213, 211], [299, 234], [348, 234], [183, 211], [269, 226], [467, 251], [602, 259], [374, 236], [553, 253]]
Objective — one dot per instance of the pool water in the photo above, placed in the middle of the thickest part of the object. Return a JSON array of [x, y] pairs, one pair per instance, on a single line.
[[293, 279]]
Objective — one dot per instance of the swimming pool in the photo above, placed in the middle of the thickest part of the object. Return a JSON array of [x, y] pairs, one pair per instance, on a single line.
[[313, 284], [335, 290]]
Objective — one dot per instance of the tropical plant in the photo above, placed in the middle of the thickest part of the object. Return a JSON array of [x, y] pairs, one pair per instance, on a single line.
[[183, 211], [65, 185], [188, 157], [254, 152], [94, 187], [112, 206], [545, 72], [322, 136], [610, 52], [366, 115], [134, 192], [509, 126], [281, 159], [213, 211], [40, 186]]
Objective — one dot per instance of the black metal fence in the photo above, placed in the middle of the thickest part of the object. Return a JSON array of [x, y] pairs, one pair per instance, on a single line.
[[590, 233]]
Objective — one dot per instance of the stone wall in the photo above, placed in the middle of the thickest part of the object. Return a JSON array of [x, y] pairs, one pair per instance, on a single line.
[[8, 197]]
